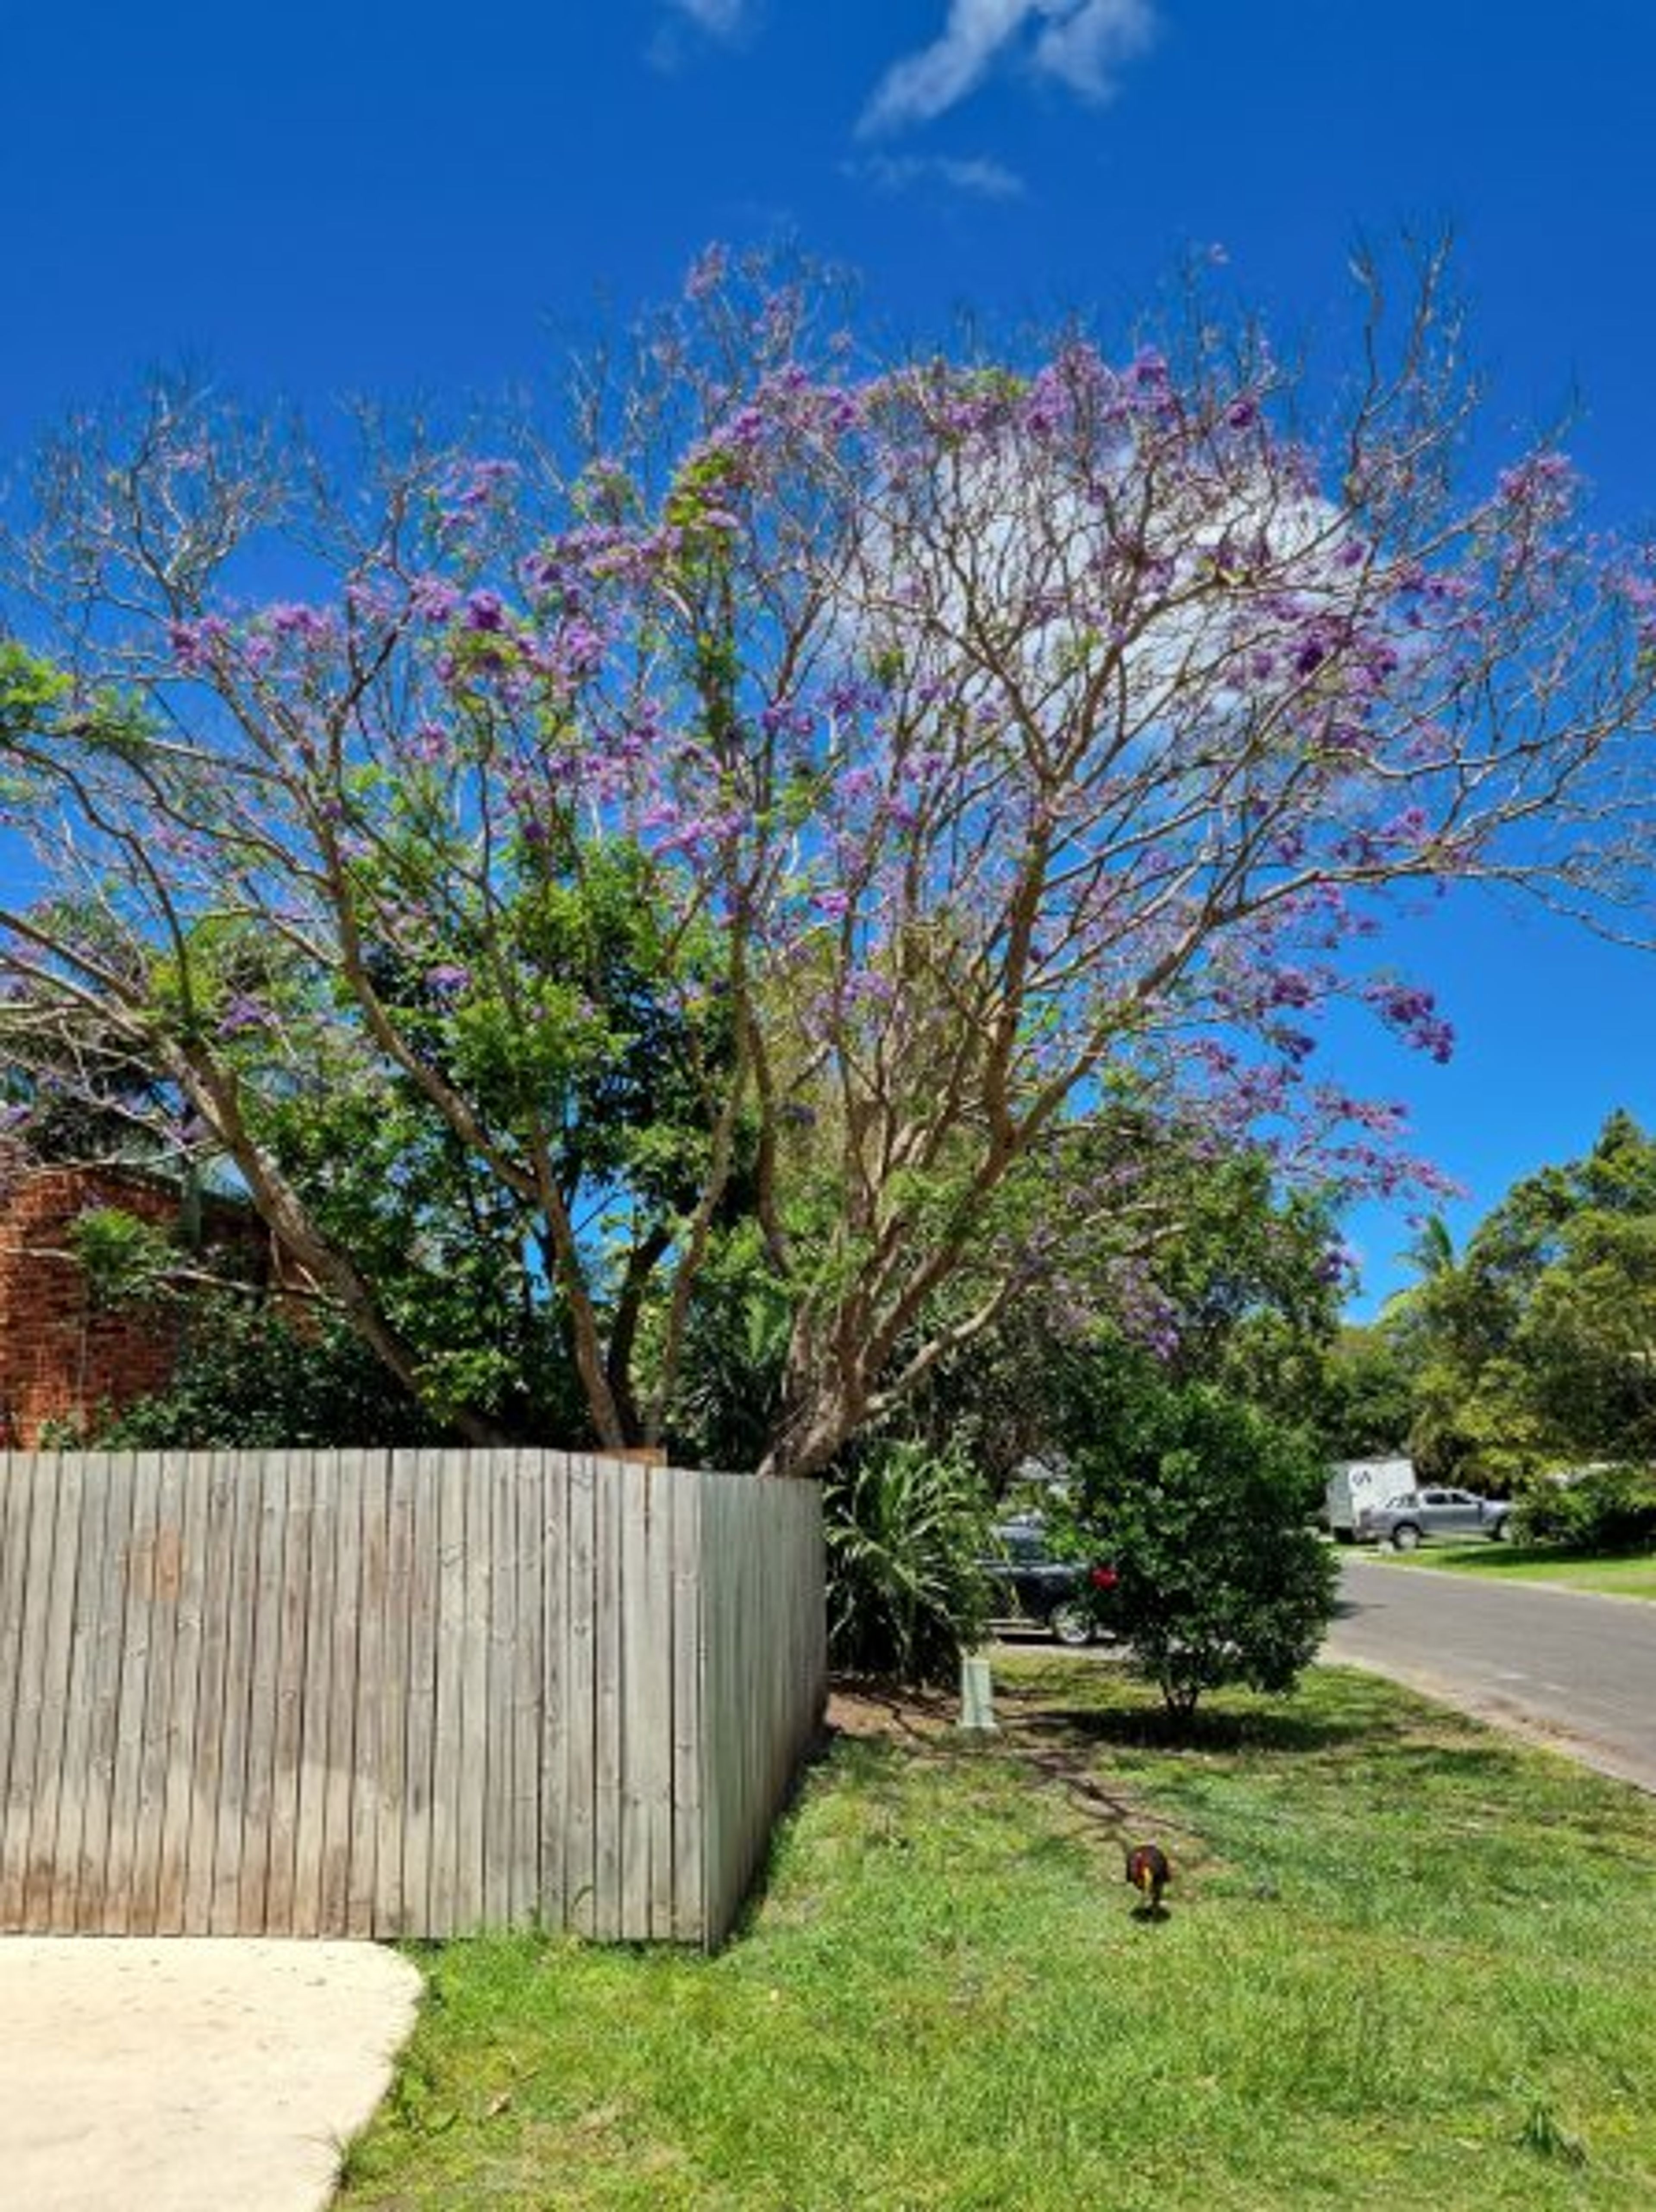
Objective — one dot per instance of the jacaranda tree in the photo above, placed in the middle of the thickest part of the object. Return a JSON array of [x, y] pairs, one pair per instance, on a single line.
[[798, 790]]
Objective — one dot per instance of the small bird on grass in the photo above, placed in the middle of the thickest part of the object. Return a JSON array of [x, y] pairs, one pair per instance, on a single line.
[[1150, 1873]]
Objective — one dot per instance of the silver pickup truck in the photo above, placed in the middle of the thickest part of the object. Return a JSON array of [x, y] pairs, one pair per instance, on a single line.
[[1409, 1520]]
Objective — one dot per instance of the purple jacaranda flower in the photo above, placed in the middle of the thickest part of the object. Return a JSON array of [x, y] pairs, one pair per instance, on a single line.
[[1637, 590], [242, 1014], [484, 611], [448, 979], [707, 272], [1412, 1010], [292, 618], [195, 643], [1544, 485], [428, 742], [580, 650], [870, 990], [369, 598], [483, 480], [686, 834], [433, 598], [1291, 987], [748, 429]]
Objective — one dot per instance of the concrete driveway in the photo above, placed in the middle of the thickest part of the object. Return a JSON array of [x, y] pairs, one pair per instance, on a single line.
[[189, 2074], [1571, 1668]]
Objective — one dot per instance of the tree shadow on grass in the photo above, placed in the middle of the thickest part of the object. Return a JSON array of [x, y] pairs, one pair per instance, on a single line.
[[1282, 1727]]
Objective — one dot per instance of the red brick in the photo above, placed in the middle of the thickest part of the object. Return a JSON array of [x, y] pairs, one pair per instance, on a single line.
[[63, 1356]]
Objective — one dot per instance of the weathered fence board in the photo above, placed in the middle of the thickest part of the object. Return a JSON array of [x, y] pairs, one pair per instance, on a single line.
[[374, 1693], [760, 1560]]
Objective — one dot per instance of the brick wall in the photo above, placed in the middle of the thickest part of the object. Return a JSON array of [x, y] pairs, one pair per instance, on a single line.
[[63, 1355]]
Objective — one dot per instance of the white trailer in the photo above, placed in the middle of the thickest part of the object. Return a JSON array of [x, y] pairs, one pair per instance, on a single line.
[[1354, 1484]]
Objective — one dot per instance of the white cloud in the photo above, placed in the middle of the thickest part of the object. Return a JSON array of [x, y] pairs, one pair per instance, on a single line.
[[1086, 47], [681, 31], [1081, 43], [1000, 543], [981, 178], [721, 19]]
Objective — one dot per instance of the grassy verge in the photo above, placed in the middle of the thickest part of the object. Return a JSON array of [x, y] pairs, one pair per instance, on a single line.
[[1630, 1575], [1405, 1963]]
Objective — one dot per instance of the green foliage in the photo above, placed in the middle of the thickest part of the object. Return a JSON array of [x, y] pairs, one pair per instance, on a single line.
[[1538, 1346], [1586, 1345], [448, 1248], [736, 1348], [1249, 1279], [29, 689], [1368, 1395], [1202, 1504], [1610, 1509], [246, 1377], [122, 1257], [1241, 1276], [906, 1529]]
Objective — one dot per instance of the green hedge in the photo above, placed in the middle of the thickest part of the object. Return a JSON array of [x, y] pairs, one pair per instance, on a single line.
[[1611, 1510]]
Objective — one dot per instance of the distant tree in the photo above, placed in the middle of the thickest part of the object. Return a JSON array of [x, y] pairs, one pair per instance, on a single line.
[[1432, 1251], [1366, 1401], [799, 788], [1539, 1346], [1586, 1348]]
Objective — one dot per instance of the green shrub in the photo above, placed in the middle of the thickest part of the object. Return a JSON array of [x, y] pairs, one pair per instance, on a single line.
[[1613, 1509], [906, 1531], [245, 1378], [1203, 1504]]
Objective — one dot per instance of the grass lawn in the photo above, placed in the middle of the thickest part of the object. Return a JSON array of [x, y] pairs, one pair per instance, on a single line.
[[1630, 1575], [1406, 1963]]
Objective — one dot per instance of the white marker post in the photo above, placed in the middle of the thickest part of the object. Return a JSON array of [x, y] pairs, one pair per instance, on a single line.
[[977, 1696]]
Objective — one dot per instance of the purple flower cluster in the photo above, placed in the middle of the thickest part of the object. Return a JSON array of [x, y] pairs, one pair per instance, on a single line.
[[1541, 487], [292, 618], [242, 1014], [196, 645], [1411, 1012], [468, 491]]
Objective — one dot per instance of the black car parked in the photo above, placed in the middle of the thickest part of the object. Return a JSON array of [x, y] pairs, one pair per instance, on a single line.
[[1030, 1588]]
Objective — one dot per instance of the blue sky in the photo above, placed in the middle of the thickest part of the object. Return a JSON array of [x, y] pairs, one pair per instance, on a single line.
[[322, 198]]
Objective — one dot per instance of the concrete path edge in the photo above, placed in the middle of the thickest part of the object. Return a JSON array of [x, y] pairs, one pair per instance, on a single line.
[[186, 2074]]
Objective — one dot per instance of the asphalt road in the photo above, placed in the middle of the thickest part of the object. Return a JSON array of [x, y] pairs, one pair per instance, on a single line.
[[1576, 1671]]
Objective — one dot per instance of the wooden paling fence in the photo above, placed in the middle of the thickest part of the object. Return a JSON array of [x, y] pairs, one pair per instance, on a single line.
[[396, 1693]]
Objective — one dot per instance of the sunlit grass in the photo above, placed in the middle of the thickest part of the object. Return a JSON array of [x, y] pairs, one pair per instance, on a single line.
[[1405, 1963], [1627, 1575]]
